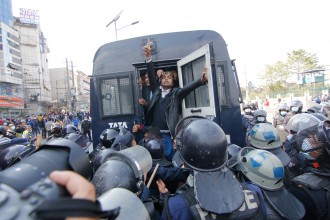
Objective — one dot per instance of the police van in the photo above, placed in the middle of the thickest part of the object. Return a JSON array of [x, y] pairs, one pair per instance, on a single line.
[[118, 65]]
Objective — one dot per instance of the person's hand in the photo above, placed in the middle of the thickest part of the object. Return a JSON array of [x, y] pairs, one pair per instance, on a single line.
[[147, 50], [143, 102], [161, 186], [140, 82], [75, 184], [205, 76], [159, 73]]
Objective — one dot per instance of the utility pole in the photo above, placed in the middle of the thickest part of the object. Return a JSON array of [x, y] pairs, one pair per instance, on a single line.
[[247, 88], [73, 91], [72, 75], [114, 20], [67, 84]]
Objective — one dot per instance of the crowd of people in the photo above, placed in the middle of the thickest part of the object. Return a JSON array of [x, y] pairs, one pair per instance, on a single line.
[[44, 124], [186, 168]]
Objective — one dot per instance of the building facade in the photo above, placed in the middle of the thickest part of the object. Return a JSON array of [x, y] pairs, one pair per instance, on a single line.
[[34, 65], [71, 90], [11, 80]]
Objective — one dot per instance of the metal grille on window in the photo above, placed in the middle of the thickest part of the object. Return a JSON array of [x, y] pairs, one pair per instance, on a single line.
[[221, 84], [117, 96]]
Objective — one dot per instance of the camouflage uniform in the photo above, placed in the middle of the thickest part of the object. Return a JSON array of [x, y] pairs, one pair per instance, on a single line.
[[279, 122]]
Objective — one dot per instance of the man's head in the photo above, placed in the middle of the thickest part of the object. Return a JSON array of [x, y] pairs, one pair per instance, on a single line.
[[167, 78], [29, 128], [146, 79]]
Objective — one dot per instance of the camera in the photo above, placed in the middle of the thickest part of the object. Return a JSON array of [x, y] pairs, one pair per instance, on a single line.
[[25, 185]]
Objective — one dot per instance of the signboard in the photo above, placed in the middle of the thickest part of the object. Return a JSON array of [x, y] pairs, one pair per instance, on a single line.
[[29, 16], [11, 102]]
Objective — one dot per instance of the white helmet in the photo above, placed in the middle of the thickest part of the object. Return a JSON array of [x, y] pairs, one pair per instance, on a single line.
[[302, 121], [261, 167], [264, 136]]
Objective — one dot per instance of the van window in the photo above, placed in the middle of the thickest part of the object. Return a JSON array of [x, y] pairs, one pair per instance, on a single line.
[[190, 72], [117, 96]]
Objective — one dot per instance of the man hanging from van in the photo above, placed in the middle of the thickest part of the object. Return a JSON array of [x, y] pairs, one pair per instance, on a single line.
[[165, 105]]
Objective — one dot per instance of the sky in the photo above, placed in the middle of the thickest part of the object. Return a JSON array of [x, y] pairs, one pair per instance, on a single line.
[[257, 32]]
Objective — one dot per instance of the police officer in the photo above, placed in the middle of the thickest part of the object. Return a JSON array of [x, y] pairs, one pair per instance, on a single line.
[[264, 136], [214, 192], [259, 116], [165, 170], [295, 107], [247, 117], [302, 124], [280, 120], [313, 187], [125, 169], [125, 139], [266, 172], [107, 137], [56, 131]]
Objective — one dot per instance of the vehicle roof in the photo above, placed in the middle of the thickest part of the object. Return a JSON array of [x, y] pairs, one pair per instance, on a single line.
[[118, 56]]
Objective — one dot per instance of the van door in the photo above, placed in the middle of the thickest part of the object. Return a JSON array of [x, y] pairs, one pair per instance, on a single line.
[[201, 101]]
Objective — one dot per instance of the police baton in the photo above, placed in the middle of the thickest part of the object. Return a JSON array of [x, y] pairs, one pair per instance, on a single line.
[[152, 175]]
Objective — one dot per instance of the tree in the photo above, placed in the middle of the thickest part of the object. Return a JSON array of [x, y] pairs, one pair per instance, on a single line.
[[275, 76], [298, 61]]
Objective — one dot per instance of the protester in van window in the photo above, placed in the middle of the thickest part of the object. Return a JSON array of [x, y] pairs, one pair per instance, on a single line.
[[164, 107]]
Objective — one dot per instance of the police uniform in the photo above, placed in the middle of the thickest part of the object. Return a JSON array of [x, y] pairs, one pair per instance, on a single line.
[[212, 191], [314, 192], [184, 205]]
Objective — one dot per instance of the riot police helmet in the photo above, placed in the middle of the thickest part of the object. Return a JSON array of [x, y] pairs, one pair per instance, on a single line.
[[124, 140], [108, 136], [323, 131], [325, 109], [260, 112], [283, 107], [123, 169], [260, 115], [71, 129], [56, 130], [101, 157], [202, 144], [314, 109], [261, 167], [155, 148], [78, 138], [3, 130], [233, 151], [13, 154], [247, 108], [302, 121], [295, 106], [265, 136]]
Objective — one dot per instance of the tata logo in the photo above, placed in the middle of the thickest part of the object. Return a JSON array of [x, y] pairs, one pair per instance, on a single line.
[[118, 124]]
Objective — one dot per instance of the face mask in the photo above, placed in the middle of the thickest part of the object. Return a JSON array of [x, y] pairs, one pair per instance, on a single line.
[[247, 110], [294, 109], [289, 137], [12, 128], [307, 146], [5, 123], [283, 113], [260, 119]]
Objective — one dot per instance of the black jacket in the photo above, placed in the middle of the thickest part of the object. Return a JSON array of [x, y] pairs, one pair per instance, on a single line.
[[172, 111]]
